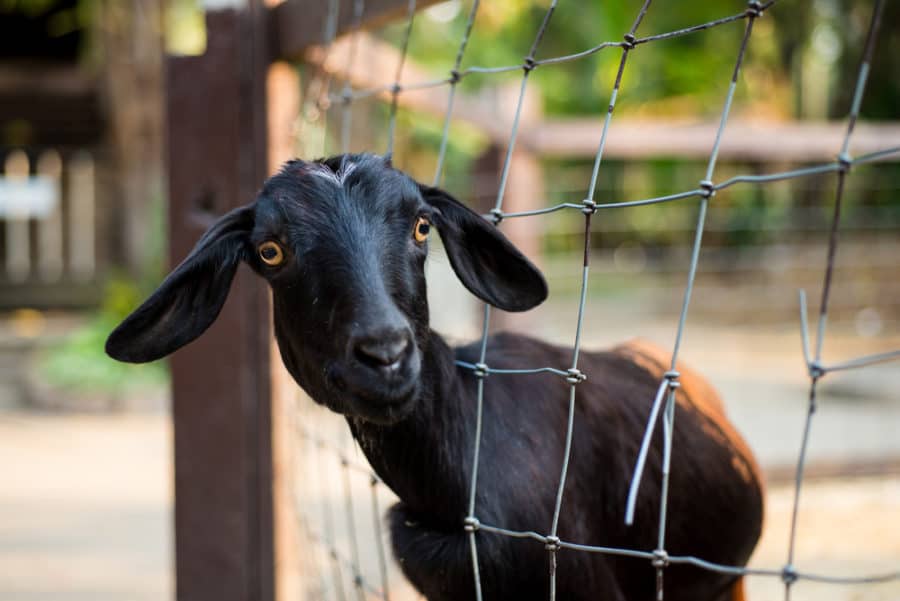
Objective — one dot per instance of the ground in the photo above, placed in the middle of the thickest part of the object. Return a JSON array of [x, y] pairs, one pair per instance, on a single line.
[[85, 508], [85, 515], [86, 501]]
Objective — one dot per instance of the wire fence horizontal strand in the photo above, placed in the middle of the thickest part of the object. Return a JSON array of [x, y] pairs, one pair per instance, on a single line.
[[669, 384], [699, 192], [523, 371], [459, 74], [864, 361]]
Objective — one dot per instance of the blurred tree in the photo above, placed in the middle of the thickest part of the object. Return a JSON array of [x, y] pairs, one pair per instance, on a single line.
[[802, 62], [680, 76]]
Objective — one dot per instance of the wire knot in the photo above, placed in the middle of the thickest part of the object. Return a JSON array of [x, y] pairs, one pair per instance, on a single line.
[[816, 370], [754, 9], [552, 544], [482, 370], [347, 96], [844, 162], [576, 376], [708, 188], [455, 76], [529, 64], [396, 88], [789, 574], [660, 558], [629, 41], [589, 207], [496, 216], [471, 524], [671, 377]]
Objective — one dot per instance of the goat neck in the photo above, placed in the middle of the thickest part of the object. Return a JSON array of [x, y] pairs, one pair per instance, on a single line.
[[425, 458]]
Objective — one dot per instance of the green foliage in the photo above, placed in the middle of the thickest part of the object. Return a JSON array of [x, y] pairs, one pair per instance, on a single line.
[[802, 62], [184, 27], [803, 54], [79, 364], [683, 75]]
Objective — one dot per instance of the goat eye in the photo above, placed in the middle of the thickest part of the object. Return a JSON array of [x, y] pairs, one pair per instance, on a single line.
[[420, 232], [270, 253]]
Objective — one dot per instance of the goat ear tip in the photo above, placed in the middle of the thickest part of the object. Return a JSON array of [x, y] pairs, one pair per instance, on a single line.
[[115, 349], [528, 299], [119, 349], [539, 292]]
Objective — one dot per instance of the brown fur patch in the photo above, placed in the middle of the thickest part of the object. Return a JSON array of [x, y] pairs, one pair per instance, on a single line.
[[738, 592], [697, 393]]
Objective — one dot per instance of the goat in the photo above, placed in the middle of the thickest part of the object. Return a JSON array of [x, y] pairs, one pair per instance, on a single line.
[[342, 242]]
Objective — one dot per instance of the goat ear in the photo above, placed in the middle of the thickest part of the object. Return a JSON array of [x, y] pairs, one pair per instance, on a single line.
[[484, 260], [190, 298]]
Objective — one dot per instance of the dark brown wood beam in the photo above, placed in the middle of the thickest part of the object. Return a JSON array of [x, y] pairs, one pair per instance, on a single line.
[[295, 25], [216, 140]]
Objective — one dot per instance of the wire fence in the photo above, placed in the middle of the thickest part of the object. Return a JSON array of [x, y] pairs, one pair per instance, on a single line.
[[342, 576]]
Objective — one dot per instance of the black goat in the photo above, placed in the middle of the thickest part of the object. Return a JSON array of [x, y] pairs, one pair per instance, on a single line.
[[342, 242]]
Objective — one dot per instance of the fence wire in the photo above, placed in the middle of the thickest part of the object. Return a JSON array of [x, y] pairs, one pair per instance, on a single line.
[[343, 566]]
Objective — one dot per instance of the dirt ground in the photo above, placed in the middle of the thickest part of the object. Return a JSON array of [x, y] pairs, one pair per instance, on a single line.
[[86, 501], [85, 508], [848, 527], [85, 515]]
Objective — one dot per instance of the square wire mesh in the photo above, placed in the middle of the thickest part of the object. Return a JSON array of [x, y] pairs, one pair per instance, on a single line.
[[341, 573]]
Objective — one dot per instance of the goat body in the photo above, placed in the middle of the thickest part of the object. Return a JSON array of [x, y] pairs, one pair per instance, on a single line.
[[715, 500], [342, 243]]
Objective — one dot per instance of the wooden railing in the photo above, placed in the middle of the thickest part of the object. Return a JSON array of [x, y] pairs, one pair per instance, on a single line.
[[48, 220]]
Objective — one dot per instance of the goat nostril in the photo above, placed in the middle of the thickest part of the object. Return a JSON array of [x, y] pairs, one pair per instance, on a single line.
[[381, 352]]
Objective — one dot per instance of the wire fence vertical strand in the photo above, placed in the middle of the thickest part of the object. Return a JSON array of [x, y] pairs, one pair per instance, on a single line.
[[379, 540], [629, 44], [665, 401], [395, 90], [451, 96], [789, 576], [359, 7], [471, 520], [351, 531], [328, 522]]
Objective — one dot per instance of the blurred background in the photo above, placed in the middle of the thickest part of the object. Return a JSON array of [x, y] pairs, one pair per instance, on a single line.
[[85, 443]]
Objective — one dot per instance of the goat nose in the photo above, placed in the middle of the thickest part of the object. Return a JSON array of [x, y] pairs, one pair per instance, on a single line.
[[383, 350]]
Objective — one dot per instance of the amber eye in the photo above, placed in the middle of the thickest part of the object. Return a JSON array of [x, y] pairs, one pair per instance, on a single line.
[[420, 233], [270, 253]]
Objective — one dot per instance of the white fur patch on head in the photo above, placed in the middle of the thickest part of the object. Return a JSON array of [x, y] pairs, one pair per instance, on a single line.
[[338, 178]]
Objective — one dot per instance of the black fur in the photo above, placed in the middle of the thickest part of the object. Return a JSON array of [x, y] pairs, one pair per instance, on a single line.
[[351, 322]]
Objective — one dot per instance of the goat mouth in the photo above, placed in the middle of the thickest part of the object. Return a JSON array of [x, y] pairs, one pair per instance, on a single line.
[[378, 397]]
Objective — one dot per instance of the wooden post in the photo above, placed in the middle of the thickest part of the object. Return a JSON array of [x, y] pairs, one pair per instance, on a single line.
[[283, 91], [228, 126], [216, 127]]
